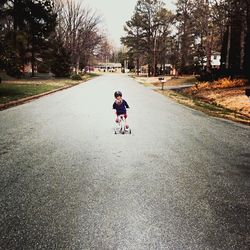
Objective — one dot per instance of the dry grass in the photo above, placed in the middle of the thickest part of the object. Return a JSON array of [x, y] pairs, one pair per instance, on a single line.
[[227, 93], [220, 84], [208, 108]]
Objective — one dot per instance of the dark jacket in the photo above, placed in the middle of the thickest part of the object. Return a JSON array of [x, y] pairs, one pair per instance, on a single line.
[[121, 108]]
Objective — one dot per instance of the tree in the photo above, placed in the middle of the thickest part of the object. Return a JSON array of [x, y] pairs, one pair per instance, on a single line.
[[13, 39], [234, 44], [40, 21], [78, 30], [246, 65], [26, 25], [185, 28], [60, 63], [147, 31]]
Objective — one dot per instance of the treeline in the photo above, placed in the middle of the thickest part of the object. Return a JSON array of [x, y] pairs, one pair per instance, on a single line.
[[187, 38], [52, 35]]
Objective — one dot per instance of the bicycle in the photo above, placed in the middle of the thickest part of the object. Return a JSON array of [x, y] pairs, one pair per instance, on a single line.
[[121, 128]]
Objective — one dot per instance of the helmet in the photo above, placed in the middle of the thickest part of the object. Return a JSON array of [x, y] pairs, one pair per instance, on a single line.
[[117, 93]]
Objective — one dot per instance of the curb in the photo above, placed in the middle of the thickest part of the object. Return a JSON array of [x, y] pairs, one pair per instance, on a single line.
[[30, 98]]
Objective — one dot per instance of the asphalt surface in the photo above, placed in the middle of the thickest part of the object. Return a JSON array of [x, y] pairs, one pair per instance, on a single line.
[[180, 181]]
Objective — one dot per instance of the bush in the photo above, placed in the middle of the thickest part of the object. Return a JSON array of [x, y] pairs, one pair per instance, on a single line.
[[12, 67], [14, 71], [43, 68], [76, 77], [213, 75], [188, 70]]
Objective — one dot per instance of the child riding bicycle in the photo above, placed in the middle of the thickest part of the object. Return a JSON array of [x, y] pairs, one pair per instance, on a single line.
[[120, 105]]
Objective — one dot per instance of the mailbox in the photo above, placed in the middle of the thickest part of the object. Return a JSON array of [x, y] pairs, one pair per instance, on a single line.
[[162, 80]]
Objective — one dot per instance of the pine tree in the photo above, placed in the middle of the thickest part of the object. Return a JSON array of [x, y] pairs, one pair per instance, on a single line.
[[40, 21], [146, 32], [29, 24], [185, 27]]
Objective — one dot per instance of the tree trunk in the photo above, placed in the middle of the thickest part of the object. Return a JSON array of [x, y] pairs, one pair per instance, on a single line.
[[77, 63], [33, 56], [149, 70], [224, 50], [15, 10], [209, 52], [184, 44], [228, 45], [137, 66], [235, 41], [247, 45], [209, 38], [242, 44], [154, 57]]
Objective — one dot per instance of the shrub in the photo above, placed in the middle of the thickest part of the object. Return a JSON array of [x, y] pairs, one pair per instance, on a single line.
[[14, 71], [43, 68], [12, 67], [76, 77]]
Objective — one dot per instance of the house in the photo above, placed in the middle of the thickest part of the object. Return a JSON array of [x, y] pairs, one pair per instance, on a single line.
[[108, 67], [159, 69], [215, 60]]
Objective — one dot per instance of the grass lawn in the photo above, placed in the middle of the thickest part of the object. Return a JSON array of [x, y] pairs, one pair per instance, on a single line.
[[13, 89], [11, 92]]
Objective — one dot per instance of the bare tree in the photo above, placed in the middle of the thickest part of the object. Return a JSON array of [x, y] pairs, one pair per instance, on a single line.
[[78, 29]]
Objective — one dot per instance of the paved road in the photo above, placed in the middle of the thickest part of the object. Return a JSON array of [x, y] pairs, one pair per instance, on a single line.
[[180, 181]]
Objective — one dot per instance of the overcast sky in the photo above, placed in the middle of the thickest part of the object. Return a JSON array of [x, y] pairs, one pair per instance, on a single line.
[[115, 13]]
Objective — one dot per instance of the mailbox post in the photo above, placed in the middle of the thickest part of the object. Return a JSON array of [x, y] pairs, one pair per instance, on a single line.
[[162, 80]]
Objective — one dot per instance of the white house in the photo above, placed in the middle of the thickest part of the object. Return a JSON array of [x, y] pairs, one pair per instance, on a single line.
[[215, 60]]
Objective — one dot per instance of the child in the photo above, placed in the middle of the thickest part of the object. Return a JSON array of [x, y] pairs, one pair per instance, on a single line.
[[120, 106]]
